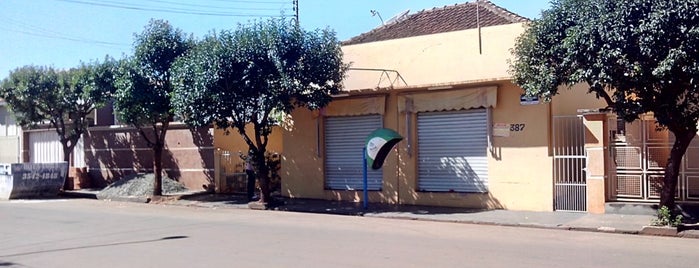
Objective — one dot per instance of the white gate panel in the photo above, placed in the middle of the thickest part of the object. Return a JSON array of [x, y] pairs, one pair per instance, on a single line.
[[79, 153], [45, 147], [569, 164]]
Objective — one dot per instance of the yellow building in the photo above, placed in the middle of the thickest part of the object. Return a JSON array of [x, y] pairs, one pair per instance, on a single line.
[[440, 78]]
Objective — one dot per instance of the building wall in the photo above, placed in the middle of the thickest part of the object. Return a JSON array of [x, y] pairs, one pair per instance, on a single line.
[[113, 152], [571, 99], [451, 57], [234, 141], [520, 172], [9, 137], [10, 149]]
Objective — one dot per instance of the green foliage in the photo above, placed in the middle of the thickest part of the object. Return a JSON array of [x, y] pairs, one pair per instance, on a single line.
[[243, 76], [252, 74], [61, 98], [144, 90], [665, 218], [638, 55], [143, 85]]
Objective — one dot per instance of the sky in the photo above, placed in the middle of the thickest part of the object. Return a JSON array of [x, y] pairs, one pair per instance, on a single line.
[[64, 33]]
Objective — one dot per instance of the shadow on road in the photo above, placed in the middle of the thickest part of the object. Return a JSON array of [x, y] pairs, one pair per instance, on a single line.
[[90, 246]]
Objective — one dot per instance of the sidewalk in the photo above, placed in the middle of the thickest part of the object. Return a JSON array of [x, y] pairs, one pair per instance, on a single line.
[[611, 223]]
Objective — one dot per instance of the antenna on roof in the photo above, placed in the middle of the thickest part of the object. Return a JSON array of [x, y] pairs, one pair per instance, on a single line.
[[375, 13], [398, 17], [478, 24]]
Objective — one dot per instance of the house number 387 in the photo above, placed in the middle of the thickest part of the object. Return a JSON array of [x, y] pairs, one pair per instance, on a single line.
[[517, 127]]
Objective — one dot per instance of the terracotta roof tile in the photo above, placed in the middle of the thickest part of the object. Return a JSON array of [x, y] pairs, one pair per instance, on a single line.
[[440, 20]]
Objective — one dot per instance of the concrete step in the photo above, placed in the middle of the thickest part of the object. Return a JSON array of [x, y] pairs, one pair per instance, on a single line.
[[630, 208]]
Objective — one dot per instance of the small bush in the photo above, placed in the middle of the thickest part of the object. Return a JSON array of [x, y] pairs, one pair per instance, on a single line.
[[666, 218]]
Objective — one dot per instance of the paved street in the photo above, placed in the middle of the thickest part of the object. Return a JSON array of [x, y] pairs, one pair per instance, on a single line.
[[89, 233]]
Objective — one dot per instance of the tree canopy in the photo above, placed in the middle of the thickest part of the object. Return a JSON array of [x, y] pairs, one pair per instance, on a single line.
[[143, 88], [63, 99], [638, 55], [247, 75]]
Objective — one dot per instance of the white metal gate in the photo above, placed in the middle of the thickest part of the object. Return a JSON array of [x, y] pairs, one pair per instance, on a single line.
[[45, 147], [569, 164]]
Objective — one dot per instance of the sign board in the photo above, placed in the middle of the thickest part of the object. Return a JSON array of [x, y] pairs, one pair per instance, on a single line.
[[528, 100], [501, 130], [31, 180], [379, 144]]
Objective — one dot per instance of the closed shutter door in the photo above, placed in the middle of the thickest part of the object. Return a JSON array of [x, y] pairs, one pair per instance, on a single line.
[[344, 143], [452, 151]]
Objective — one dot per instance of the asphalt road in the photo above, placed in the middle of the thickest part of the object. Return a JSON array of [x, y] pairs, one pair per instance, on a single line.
[[90, 233]]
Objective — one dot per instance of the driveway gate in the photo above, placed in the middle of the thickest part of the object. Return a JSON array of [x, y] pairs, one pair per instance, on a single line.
[[639, 153], [569, 164]]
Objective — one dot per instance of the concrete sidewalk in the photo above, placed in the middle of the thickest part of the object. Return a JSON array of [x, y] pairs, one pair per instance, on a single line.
[[611, 223]]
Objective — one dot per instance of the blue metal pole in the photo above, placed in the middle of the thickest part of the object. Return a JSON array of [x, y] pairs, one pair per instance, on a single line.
[[366, 194]]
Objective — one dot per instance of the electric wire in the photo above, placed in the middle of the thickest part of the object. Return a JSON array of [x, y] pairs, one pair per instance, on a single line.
[[122, 5], [28, 29]]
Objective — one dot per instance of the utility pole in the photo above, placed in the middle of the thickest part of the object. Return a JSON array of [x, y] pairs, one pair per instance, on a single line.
[[296, 10]]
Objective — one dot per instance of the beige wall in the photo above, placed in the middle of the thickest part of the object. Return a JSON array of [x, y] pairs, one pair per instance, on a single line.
[[519, 165], [519, 162], [433, 59], [10, 149], [234, 141], [570, 99]]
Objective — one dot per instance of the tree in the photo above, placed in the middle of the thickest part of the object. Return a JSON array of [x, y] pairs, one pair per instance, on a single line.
[[253, 74], [638, 55], [61, 98], [143, 92]]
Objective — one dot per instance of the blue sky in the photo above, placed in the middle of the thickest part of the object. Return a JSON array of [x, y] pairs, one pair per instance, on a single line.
[[62, 33]]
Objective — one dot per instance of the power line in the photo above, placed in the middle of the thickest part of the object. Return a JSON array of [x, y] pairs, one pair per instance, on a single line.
[[166, 10], [221, 7], [80, 40], [32, 30]]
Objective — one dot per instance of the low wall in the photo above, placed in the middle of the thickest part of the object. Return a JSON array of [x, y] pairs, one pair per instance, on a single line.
[[114, 152]]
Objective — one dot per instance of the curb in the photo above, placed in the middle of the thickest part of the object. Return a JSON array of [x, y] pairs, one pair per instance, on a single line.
[[521, 225]]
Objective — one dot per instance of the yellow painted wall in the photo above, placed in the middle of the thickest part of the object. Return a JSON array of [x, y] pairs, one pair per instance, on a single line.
[[519, 165], [570, 99], [234, 141], [433, 59]]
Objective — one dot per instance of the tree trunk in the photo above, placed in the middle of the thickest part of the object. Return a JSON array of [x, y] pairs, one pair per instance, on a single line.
[[66, 158], [672, 169], [158, 168], [263, 176]]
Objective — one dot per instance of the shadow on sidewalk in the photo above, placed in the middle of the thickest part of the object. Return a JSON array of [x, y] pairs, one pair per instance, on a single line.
[[326, 206]]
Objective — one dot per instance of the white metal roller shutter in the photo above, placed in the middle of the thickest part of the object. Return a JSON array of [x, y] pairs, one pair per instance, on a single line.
[[452, 151], [344, 143]]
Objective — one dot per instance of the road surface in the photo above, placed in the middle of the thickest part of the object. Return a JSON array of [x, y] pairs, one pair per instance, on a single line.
[[90, 233]]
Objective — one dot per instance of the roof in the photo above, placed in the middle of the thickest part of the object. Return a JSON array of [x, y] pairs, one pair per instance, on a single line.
[[456, 17]]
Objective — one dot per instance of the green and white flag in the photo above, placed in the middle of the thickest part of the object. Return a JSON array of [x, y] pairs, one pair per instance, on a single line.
[[379, 144]]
